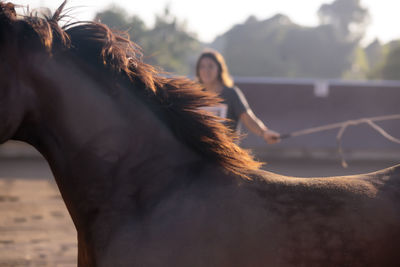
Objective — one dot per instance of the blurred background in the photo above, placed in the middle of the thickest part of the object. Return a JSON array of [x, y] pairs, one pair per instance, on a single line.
[[341, 39], [301, 64]]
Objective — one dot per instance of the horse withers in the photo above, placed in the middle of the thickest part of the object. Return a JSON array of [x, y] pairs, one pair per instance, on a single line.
[[150, 179]]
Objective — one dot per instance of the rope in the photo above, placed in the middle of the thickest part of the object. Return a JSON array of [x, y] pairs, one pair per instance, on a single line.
[[343, 126]]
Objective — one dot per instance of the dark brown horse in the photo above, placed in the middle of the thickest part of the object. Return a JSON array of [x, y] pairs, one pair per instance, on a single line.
[[150, 180]]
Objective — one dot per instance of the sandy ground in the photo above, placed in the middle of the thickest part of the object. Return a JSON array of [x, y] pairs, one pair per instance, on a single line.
[[36, 230], [35, 227]]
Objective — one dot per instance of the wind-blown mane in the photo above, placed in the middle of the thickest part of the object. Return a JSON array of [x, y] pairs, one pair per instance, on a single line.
[[178, 100]]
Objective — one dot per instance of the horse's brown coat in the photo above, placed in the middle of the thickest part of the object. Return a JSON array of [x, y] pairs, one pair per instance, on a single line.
[[149, 180]]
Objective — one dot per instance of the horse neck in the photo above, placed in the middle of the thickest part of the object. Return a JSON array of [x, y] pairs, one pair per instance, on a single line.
[[94, 141]]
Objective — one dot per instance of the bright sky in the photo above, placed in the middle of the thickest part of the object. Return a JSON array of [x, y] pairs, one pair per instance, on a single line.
[[210, 18]]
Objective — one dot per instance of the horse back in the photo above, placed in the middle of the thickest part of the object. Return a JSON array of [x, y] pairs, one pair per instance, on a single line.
[[271, 220], [335, 221]]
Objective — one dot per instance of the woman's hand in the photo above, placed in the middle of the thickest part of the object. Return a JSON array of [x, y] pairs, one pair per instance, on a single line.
[[256, 126], [271, 137]]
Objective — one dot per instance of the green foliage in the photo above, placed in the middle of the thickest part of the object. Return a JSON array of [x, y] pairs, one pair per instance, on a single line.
[[276, 47], [387, 65], [348, 18], [117, 19], [168, 44], [375, 54], [391, 67], [359, 67], [251, 48]]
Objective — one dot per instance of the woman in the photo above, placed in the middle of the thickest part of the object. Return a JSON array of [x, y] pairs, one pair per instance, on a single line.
[[212, 72]]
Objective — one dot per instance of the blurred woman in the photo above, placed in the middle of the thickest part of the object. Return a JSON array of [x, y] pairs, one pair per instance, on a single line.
[[213, 74]]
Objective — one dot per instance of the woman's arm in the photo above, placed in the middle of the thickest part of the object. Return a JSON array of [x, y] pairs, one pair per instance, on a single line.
[[256, 126]]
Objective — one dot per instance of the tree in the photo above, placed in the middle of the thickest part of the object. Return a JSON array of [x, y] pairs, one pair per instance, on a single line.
[[375, 54], [117, 19], [359, 66], [277, 47], [168, 44], [348, 17], [391, 66]]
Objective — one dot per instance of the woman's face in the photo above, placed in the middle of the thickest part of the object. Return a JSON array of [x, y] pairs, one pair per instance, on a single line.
[[208, 70]]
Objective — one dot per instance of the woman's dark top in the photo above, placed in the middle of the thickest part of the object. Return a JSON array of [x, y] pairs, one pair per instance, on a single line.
[[236, 104]]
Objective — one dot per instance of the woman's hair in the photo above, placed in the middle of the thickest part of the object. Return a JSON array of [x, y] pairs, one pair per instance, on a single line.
[[223, 73]]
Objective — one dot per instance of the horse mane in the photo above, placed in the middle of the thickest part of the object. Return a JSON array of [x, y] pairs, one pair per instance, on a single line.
[[179, 99]]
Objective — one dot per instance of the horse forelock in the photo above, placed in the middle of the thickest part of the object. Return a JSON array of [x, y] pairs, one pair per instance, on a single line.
[[179, 99]]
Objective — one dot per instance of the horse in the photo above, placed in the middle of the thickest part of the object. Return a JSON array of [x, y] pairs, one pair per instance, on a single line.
[[150, 179]]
